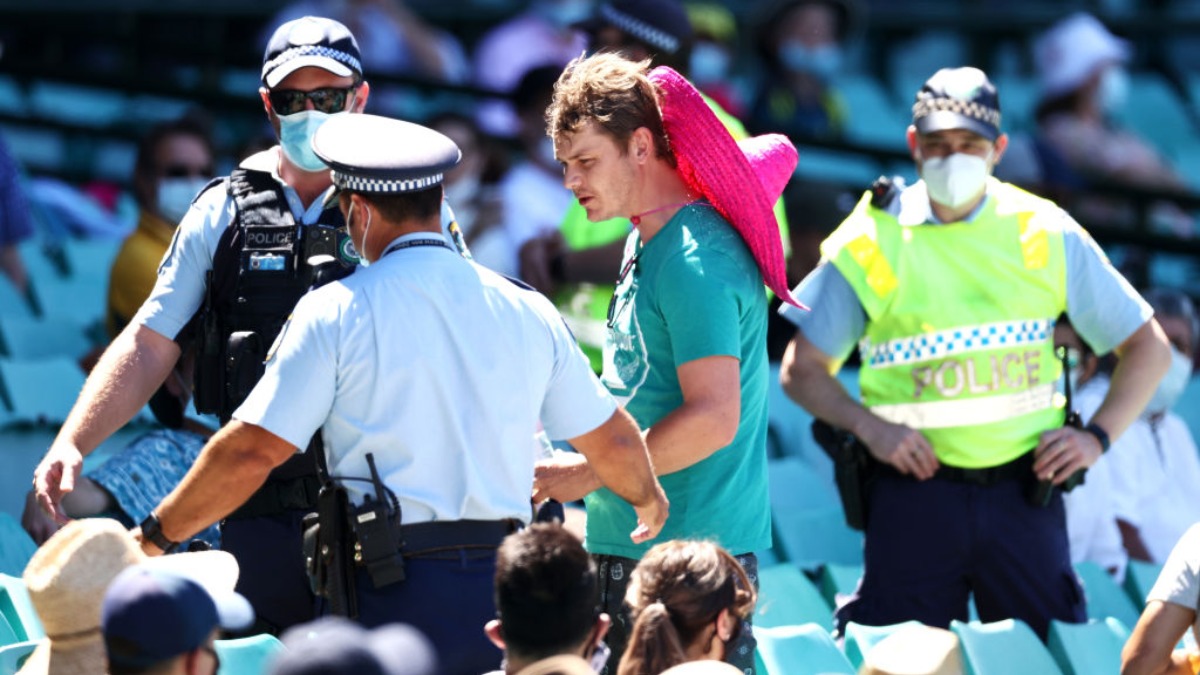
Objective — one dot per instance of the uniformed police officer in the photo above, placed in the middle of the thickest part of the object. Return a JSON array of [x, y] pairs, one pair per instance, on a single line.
[[238, 262], [436, 370], [951, 288]]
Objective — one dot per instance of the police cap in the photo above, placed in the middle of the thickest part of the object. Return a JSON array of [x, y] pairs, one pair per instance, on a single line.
[[369, 153], [958, 98]]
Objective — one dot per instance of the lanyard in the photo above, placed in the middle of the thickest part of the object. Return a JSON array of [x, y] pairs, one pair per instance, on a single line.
[[411, 243]]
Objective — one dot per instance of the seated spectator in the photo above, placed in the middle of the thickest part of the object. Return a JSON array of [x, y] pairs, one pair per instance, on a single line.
[[546, 601], [1170, 611], [164, 621], [1082, 68], [471, 189], [1155, 466], [16, 224], [714, 49], [67, 578], [801, 43], [687, 600], [659, 30], [333, 645]]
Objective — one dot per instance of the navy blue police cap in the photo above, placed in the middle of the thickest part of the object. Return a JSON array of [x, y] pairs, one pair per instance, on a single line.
[[310, 41], [369, 153], [958, 98]]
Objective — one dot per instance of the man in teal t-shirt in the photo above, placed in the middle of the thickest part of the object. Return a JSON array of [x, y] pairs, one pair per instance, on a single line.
[[685, 347]]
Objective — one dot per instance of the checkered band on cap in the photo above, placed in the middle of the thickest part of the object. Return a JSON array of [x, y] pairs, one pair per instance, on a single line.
[[345, 181], [640, 29], [972, 109], [313, 50]]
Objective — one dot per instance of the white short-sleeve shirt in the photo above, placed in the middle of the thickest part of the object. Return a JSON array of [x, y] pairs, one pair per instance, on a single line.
[[1179, 581], [442, 369]]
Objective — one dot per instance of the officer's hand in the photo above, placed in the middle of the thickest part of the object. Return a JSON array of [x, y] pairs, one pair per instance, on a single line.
[[55, 476], [1062, 452], [904, 448], [146, 545], [36, 522], [565, 477], [651, 517]]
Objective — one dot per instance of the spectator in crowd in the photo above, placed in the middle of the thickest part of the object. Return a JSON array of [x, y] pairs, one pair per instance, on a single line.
[[1091, 507], [16, 222], [801, 43], [158, 621], [1171, 608], [546, 600], [333, 645], [965, 439], [542, 35], [1155, 465], [1082, 68], [686, 339], [471, 187], [688, 601], [714, 51]]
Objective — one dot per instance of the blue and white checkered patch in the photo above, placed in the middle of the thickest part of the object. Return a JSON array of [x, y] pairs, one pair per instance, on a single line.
[[347, 181], [310, 50], [961, 340], [640, 29]]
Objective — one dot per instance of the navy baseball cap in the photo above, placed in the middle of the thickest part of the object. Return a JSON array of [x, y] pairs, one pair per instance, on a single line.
[[332, 645], [310, 41], [958, 98], [662, 24], [151, 614]]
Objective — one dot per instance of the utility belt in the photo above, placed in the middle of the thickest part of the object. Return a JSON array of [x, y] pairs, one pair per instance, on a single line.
[[1017, 469]]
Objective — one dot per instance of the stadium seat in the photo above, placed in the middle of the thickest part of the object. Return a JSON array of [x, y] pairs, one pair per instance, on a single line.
[[23, 338], [800, 650], [1018, 99], [91, 259], [913, 61], [1104, 597], [79, 298], [871, 118], [1092, 648], [837, 581], [16, 546], [41, 391], [13, 656], [8, 636], [835, 166], [809, 524], [17, 609], [1155, 111], [789, 427], [1139, 579], [786, 598], [12, 303], [247, 656], [859, 639], [1003, 648]]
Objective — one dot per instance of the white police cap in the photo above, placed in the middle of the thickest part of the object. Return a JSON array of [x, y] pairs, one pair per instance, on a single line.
[[369, 153]]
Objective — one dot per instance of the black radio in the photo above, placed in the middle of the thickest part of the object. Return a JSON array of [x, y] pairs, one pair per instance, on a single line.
[[377, 539]]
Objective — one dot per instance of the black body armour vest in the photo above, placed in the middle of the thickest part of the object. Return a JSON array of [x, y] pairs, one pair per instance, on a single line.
[[264, 262]]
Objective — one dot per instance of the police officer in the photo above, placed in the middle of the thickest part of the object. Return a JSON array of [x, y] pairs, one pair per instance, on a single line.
[[240, 259], [431, 373], [951, 288]]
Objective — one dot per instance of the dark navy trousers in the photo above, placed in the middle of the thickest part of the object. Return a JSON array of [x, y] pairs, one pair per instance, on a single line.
[[930, 544], [271, 575]]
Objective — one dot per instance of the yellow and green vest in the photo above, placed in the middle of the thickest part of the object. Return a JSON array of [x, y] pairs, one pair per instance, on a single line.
[[959, 342]]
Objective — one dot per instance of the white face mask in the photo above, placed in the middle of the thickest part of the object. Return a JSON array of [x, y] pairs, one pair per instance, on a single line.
[[1171, 387], [955, 180], [175, 196], [1114, 89]]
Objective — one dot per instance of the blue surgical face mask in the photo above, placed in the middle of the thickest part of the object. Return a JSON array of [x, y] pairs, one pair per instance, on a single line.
[[824, 61], [1114, 89], [1171, 387], [563, 13], [295, 137], [175, 196], [709, 62]]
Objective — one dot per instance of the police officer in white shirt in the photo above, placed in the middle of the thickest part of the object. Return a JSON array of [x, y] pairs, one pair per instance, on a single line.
[[439, 371]]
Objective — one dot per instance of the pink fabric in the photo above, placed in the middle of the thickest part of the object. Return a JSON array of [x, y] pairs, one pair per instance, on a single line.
[[741, 180]]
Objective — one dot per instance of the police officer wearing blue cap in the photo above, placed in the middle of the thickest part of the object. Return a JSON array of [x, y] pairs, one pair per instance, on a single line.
[[428, 375], [950, 288], [250, 245]]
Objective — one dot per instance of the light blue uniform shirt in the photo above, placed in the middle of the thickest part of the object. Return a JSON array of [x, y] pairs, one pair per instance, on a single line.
[[1102, 306], [179, 289], [442, 369]]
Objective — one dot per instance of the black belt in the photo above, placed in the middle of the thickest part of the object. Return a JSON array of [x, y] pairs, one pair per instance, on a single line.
[[1019, 469], [280, 496], [425, 539]]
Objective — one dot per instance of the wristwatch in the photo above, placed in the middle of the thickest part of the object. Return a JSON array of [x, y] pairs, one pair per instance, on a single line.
[[152, 531], [1100, 434]]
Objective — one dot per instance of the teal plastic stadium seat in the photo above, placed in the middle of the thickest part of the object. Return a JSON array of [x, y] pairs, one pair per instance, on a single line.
[[1003, 648], [787, 598], [838, 581], [13, 656], [16, 546], [809, 524], [859, 639], [12, 303], [41, 391], [1092, 648], [17, 609], [247, 656], [837, 166], [1104, 597], [27, 338], [800, 650], [83, 300], [8, 636], [1139, 579]]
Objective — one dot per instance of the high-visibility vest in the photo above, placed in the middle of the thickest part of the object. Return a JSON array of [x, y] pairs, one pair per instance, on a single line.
[[959, 341]]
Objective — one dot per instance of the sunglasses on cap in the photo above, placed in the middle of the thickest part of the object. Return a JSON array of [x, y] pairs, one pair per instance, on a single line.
[[326, 99]]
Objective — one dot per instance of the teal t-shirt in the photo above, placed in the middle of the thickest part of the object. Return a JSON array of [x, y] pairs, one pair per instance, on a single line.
[[692, 291]]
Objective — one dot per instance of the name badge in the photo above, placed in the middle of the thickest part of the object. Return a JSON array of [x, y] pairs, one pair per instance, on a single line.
[[267, 262]]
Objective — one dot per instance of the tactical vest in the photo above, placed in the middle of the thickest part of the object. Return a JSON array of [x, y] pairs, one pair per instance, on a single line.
[[960, 320], [264, 262]]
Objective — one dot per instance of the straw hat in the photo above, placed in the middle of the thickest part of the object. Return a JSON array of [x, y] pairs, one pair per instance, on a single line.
[[67, 578], [915, 650], [741, 179]]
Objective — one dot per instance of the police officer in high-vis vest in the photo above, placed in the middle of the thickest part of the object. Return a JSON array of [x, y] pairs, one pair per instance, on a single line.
[[250, 245], [427, 376], [950, 289]]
